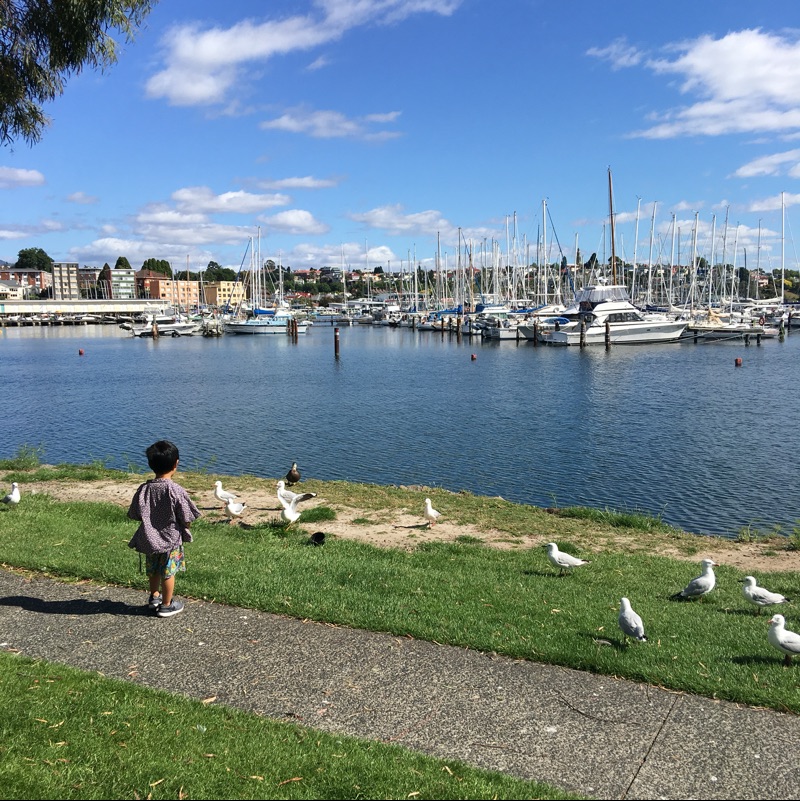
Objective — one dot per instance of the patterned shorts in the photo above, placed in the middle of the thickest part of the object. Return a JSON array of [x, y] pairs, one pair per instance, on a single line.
[[165, 564]]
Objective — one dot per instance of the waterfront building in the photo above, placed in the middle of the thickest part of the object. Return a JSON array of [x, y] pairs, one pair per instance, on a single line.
[[65, 281]]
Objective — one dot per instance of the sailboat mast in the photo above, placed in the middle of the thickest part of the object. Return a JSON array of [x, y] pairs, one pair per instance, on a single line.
[[611, 215]]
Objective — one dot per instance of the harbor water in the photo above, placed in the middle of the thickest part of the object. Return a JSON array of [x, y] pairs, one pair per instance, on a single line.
[[679, 431]]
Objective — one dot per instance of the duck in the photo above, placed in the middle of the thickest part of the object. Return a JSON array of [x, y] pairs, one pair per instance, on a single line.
[[293, 476]]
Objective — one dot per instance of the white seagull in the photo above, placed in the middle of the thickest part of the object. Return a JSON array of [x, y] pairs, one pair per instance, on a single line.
[[629, 622], [13, 496], [563, 561], [223, 496], [234, 510], [700, 586], [783, 640], [431, 515], [759, 596], [286, 496], [289, 513]]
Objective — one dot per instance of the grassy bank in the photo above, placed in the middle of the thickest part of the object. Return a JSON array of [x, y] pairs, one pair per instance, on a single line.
[[511, 602]]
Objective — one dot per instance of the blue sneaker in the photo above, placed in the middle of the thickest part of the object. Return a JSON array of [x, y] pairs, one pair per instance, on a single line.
[[154, 602], [173, 609]]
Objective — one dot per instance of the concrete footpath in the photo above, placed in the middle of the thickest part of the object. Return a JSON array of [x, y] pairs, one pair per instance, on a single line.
[[588, 734]]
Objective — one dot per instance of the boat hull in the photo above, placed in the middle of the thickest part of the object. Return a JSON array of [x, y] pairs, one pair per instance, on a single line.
[[645, 333]]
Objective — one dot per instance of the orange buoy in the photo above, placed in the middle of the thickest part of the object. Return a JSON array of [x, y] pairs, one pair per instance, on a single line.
[[80, 351], [473, 357], [738, 362]]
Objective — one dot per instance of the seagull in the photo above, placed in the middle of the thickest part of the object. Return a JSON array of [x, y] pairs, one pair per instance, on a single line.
[[13, 496], [630, 623], [759, 596], [563, 561], [289, 513], [700, 586], [293, 476], [431, 515], [234, 510], [783, 640], [223, 496], [286, 496]]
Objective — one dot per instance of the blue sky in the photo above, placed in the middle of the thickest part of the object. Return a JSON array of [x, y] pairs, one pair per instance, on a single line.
[[369, 130]]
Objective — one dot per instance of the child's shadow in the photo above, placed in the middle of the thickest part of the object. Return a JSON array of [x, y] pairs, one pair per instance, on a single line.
[[74, 606]]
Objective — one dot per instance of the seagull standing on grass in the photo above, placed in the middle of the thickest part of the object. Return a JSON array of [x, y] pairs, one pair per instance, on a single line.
[[759, 596], [431, 515], [563, 561], [223, 496], [286, 496], [700, 586], [13, 497], [630, 623], [289, 513], [783, 640], [234, 510]]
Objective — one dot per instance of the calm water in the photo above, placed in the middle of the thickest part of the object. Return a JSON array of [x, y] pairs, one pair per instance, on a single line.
[[673, 430]]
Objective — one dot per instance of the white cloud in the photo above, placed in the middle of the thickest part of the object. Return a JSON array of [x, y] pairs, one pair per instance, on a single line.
[[205, 66], [13, 178], [393, 220], [747, 81], [318, 64], [774, 203], [330, 124], [295, 221], [774, 164], [202, 199], [619, 53], [304, 182], [81, 198]]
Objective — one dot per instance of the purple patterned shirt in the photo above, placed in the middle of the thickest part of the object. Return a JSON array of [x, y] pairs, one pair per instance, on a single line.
[[166, 511]]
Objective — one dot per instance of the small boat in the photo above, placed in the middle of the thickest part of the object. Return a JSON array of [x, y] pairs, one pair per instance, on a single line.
[[276, 323]]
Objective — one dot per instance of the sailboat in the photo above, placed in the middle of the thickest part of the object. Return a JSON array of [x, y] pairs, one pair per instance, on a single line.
[[603, 313], [277, 319]]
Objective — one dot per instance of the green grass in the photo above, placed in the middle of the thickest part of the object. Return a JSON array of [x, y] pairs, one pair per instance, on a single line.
[[509, 602], [69, 734]]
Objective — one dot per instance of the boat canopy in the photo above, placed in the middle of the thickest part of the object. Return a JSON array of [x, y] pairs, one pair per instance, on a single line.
[[601, 293]]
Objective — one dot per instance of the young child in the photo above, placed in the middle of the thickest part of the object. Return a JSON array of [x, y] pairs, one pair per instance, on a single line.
[[166, 512]]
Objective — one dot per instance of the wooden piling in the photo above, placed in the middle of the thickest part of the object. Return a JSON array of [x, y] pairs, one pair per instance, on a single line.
[[336, 342]]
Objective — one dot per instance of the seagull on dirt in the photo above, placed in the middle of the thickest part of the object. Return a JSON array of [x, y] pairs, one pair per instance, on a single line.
[[13, 497], [286, 496], [563, 561], [630, 623], [700, 586], [223, 496], [289, 513], [431, 515], [293, 476], [234, 510], [783, 640], [760, 596]]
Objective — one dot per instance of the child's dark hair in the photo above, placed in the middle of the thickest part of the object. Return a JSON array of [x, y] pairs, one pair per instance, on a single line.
[[162, 456]]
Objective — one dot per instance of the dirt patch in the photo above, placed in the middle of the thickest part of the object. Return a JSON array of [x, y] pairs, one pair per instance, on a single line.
[[397, 530]]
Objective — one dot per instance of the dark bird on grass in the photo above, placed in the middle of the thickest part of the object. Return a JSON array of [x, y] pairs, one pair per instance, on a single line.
[[782, 639], [293, 476], [760, 596], [13, 497], [700, 586]]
